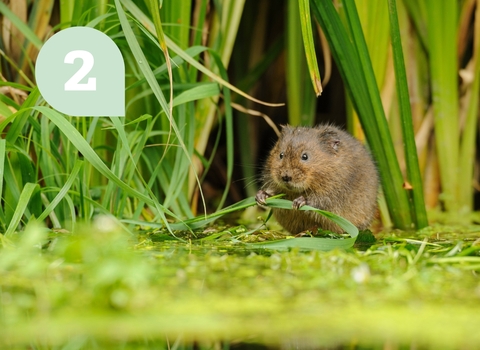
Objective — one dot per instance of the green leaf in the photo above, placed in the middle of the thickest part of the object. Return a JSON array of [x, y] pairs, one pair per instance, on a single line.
[[21, 207], [413, 170], [306, 23], [343, 223], [21, 26], [442, 50], [61, 194], [301, 98], [306, 243], [198, 92], [323, 244]]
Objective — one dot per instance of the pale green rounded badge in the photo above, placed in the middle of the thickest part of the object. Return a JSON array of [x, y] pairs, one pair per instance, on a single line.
[[80, 72]]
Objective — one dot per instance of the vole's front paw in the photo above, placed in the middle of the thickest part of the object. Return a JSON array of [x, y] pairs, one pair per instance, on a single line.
[[261, 197], [299, 202]]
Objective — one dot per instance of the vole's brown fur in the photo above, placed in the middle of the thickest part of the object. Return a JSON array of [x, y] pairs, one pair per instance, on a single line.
[[323, 167]]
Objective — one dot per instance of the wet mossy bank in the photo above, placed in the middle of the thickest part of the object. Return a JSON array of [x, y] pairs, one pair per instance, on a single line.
[[107, 288]]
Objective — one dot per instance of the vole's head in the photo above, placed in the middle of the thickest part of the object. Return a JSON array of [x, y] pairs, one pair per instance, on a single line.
[[304, 158]]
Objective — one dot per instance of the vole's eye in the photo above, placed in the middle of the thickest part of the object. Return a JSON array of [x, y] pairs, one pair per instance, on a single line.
[[304, 156], [281, 155]]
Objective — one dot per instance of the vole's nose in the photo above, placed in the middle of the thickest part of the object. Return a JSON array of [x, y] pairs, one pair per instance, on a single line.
[[286, 178]]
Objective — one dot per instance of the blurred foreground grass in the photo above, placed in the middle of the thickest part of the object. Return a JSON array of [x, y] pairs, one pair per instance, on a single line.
[[102, 288]]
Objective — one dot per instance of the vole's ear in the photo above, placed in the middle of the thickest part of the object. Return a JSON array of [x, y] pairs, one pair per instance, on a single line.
[[286, 129], [335, 143], [330, 139]]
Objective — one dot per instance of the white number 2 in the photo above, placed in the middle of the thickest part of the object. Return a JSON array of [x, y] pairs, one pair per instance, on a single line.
[[73, 84]]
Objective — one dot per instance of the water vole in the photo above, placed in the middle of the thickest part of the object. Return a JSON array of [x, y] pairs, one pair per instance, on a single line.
[[323, 167]]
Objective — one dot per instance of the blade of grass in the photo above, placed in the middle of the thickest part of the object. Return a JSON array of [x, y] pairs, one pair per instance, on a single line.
[[20, 118], [272, 202], [20, 25], [61, 194], [199, 16], [48, 162], [413, 171], [442, 48], [12, 39], [390, 168], [11, 193], [66, 12], [229, 13], [2, 171], [155, 12], [16, 86], [22, 204], [55, 221], [418, 13], [468, 141], [323, 244], [343, 223], [176, 16], [305, 243], [177, 61], [375, 24], [202, 90], [39, 19], [306, 24], [301, 98], [356, 71], [4, 110], [228, 128]]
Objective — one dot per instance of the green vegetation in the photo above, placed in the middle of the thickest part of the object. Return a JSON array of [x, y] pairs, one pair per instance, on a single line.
[[158, 154], [105, 241], [104, 288]]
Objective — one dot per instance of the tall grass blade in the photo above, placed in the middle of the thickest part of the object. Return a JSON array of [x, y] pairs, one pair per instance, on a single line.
[[413, 171], [176, 16], [2, 163], [229, 15], [155, 12], [468, 141], [39, 19], [355, 68], [228, 129], [418, 13], [66, 12], [306, 23], [375, 25], [442, 49], [3, 153], [301, 99]]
